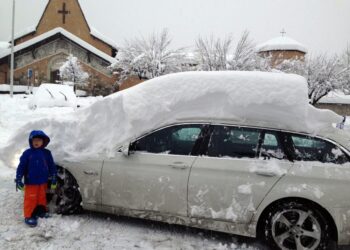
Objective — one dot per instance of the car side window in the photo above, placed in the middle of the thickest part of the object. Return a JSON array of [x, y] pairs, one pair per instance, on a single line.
[[314, 149], [271, 147], [178, 139], [229, 141]]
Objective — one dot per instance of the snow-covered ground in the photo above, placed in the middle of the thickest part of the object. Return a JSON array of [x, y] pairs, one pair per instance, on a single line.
[[85, 231]]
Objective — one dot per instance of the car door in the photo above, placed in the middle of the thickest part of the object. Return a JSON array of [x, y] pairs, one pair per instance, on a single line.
[[154, 176], [321, 171], [236, 172]]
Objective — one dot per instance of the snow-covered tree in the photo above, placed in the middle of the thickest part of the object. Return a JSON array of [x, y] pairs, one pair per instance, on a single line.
[[213, 53], [71, 72], [219, 54], [345, 59], [323, 74], [148, 57], [245, 57], [293, 66]]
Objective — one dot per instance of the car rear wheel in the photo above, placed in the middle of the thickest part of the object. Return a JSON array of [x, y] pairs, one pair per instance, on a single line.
[[66, 199], [295, 226]]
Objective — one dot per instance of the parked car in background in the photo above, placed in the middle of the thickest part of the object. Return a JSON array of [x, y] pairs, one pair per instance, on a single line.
[[49, 95]]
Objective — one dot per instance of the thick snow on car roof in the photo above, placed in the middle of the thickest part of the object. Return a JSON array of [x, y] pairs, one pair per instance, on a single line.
[[254, 98]]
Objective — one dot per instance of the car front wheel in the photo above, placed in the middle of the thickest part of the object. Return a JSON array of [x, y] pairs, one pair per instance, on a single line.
[[66, 199], [295, 226]]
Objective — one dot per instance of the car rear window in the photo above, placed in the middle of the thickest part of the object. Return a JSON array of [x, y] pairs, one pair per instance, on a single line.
[[314, 149]]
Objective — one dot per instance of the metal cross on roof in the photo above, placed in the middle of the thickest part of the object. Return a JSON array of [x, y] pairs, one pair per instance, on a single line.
[[283, 32], [64, 12]]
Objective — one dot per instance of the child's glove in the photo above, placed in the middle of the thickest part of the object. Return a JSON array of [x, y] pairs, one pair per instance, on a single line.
[[53, 183], [53, 186], [19, 185]]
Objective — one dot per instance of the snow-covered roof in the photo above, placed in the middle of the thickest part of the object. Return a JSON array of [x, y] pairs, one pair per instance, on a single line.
[[335, 97], [94, 32], [65, 33], [275, 100], [4, 45], [24, 32], [281, 43]]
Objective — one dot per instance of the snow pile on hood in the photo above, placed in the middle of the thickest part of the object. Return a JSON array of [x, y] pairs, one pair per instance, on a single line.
[[53, 95], [254, 98]]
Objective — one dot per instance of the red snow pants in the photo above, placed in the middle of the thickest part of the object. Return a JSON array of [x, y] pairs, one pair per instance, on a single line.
[[34, 195]]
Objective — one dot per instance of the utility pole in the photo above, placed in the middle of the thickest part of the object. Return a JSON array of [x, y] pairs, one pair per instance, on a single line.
[[12, 48]]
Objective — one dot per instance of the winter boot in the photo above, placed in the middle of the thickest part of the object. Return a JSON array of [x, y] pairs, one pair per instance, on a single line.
[[44, 215], [32, 222], [40, 212]]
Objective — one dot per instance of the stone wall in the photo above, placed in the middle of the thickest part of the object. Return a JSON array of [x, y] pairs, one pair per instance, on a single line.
[[65, 46], [130, 82], [50, 56], [278, 56], [4, 73]]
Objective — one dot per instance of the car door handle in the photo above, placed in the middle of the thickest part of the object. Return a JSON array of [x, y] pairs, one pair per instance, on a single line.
[[178, 165], [265, 173], [90, 172]]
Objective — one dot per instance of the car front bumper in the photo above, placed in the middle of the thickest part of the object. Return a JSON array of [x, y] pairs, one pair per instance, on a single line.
[[342, 220]]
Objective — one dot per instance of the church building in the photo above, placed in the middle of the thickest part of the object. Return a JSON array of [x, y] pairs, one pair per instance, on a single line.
[[62, 30]]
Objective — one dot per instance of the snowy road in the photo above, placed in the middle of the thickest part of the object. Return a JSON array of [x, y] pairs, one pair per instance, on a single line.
[[86, 231]]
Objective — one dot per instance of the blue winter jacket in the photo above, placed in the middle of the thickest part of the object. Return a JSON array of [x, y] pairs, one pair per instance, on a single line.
[[36, 165]]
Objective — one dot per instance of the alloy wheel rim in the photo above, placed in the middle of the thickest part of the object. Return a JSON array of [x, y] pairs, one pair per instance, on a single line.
[[296, 229]]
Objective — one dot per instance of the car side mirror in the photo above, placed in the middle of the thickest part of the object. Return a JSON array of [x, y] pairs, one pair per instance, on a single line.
[[125, 149]]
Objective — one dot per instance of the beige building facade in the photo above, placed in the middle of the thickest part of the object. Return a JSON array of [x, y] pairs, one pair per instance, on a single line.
[[61, 31]]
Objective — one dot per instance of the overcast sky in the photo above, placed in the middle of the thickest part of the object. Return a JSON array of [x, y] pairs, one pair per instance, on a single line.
[[323, 26]]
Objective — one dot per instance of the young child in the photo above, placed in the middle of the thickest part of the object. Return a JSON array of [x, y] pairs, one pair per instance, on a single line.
[[36, 166]]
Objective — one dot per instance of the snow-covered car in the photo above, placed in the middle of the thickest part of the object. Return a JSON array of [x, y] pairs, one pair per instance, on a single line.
[[237, 152], [50, 95]]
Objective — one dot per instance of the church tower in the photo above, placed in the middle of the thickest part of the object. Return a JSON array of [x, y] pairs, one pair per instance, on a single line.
[[68, 14], [282, 48]]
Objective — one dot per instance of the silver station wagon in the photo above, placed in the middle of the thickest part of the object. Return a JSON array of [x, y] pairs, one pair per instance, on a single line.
[[289, 188]]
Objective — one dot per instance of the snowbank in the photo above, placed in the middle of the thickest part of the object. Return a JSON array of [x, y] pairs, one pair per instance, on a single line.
[[256, 98], [53, 95], [16, 88]]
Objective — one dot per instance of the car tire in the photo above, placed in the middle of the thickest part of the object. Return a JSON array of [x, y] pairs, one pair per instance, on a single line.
[[66, 199], [295, 225]]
